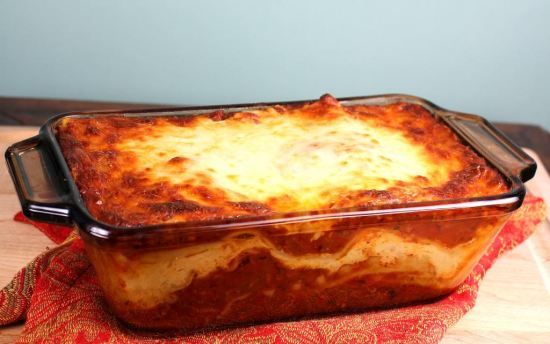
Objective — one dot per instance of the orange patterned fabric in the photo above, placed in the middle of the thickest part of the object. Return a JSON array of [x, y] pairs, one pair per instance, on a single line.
[[59, 295]]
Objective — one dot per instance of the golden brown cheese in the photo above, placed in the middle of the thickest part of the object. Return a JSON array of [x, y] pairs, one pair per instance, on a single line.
[[135, 171]]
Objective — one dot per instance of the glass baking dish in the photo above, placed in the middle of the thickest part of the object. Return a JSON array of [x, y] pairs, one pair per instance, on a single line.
[[152, 278]]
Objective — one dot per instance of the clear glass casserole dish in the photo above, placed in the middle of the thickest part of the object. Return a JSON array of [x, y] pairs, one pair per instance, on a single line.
[[199, 274]]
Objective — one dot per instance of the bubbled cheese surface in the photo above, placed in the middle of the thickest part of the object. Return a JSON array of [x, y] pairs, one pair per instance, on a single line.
[[134, 171], [306, 159]]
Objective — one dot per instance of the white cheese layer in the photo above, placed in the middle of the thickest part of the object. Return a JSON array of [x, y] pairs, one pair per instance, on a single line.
[[309, 160]]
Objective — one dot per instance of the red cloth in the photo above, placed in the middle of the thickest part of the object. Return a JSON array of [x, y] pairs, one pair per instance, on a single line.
[[56, 233], [60, 299]]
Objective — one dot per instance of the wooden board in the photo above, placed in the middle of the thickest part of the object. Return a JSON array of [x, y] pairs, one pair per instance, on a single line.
[[513, 304], [19, 243]]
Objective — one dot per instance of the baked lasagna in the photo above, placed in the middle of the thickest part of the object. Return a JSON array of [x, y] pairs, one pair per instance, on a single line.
[[319, 156], [306, 159]]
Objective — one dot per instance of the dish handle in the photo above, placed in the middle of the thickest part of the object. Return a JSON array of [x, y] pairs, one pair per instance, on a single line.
[[42, 190], [493, 144]]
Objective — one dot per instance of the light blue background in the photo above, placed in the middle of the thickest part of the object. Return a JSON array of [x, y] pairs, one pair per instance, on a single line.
[[485, 57]]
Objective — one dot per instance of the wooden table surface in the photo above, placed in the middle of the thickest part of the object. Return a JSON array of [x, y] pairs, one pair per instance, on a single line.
[[514, 299]]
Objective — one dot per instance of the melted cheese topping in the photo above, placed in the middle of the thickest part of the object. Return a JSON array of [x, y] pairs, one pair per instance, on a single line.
[[285, 155], [319, 156]]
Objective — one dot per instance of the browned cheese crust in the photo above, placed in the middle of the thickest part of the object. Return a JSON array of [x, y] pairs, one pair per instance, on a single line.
[[137, 171]]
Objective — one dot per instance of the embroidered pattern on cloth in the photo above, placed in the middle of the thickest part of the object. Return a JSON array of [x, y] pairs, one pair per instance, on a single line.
[[58, 295]]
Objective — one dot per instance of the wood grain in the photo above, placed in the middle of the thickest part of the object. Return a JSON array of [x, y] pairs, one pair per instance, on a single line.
[[513, 304], [35, 111], [19, 243]]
